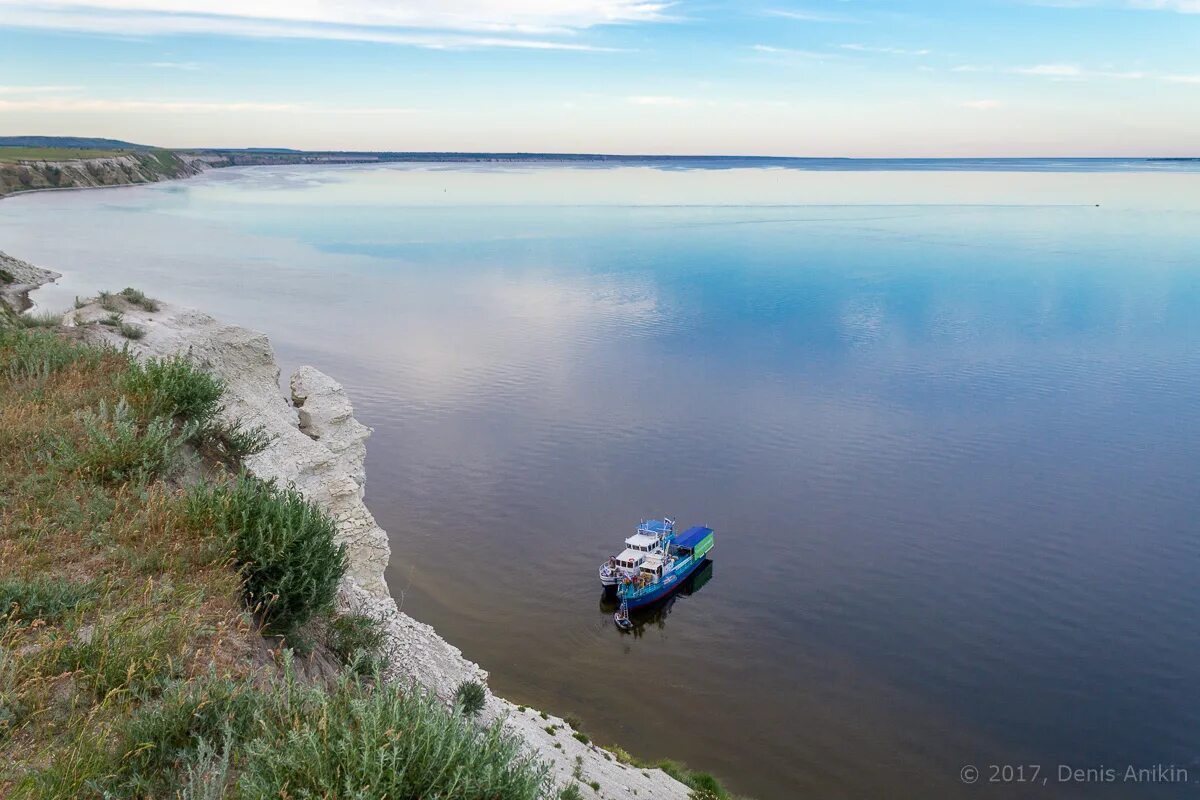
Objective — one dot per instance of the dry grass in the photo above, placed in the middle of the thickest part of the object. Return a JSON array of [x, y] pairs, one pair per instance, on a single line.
[[130, 666], [141, 597]]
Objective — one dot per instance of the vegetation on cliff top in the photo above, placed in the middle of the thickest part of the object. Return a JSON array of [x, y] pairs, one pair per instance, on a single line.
[[25, 169], [139, 578]]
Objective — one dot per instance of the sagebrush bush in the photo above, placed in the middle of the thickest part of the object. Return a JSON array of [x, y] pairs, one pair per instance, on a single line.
[[131, 331], [356, 639], [703, 785], [172, 387], [139, 298], [283, 544], [384, 741], [234, 442], [470, 697], [116, 446], [45, 319], [35, 354], [108, 301], [42, 597]]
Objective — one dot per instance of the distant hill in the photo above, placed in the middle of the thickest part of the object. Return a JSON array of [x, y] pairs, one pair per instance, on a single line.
[[75, 142]]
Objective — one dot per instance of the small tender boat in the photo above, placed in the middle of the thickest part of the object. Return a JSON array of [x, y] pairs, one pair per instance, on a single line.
[[662, 570], [646, 542]]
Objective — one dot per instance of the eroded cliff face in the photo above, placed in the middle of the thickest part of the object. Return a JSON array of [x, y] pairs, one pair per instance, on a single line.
[[136, 167], [17, 279], [319, 446]]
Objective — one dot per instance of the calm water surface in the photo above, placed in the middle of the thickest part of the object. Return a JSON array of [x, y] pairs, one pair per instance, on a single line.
[[946, 424]]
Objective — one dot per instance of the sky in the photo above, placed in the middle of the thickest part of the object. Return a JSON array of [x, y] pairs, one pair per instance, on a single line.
[[824, 78]]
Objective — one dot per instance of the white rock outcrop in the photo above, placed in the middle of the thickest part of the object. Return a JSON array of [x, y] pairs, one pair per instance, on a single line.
[[318, 445], [25, 278]]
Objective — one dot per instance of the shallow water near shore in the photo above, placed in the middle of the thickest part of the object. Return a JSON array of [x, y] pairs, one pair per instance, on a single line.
[[946, 425]]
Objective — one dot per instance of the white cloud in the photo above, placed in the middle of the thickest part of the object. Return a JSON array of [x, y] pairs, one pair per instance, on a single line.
[[1074, 72], [37, 89], [89, 105], [156, 25], [1182, 6], [982, 105], [464, 15], [661, 100], [189, 66], [788, 52], [810, 16], [1181, 78], [439, 24], [1050, 70], [1179, 6], [895, 51]]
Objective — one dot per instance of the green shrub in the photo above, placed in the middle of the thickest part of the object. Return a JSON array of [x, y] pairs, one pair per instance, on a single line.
[[470, 697], [384, 741], [42, 597], [46, 319], [138, 298], [108, 301], [282, 543], [355, 639], [117, 447], [6, 276], [172, 387], [571, 792], [235, 442], [131, 331], [114, 320], [582, 737], [573, 720], [35, 354], [703, 785]]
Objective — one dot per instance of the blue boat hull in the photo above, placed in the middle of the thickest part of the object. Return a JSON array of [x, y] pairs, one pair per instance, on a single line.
[[669, 584]]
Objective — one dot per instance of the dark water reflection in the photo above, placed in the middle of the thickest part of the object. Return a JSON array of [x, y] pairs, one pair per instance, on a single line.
[[946, 426]]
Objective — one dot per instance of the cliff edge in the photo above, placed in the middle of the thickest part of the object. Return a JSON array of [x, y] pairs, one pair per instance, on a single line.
[[317, 445], [149, 166]]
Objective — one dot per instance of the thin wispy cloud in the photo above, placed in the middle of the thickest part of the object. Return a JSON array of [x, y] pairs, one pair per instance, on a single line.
[[789, 52], [661, 100], [160, 25], [187, 66], [1063, 72], [86, 104], [811, 16], [1178, 6], [37, 89], [434, 24], [895, 51], [1050, 70]]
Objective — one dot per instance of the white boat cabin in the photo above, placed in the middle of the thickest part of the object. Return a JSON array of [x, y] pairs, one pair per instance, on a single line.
[[630, 558], [643, 542]]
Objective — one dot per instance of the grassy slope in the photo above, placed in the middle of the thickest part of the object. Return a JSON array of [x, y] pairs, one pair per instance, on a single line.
[[14, 154], [23, 169], [131, 664]]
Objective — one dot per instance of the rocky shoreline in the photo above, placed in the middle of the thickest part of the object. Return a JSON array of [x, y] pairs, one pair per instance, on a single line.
[[318, 446]]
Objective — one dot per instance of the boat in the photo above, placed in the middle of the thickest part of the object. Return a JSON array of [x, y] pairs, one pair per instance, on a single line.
[[647, 541], [663, 571]]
